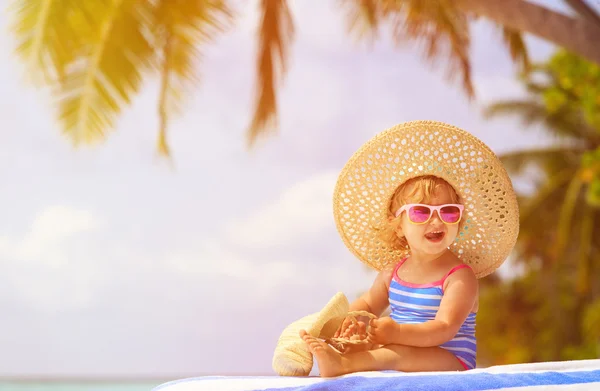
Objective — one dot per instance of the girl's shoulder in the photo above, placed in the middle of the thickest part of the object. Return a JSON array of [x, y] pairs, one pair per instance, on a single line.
[[387, 273], [459, 272]]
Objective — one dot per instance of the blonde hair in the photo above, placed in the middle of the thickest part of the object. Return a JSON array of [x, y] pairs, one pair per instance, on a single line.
[[416, 190]]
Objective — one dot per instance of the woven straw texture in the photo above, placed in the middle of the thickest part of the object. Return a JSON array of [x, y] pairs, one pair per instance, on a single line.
[[370, 178], [292, 357]]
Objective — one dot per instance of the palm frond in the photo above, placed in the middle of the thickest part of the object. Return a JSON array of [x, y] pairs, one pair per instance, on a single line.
[[102, 81], [438, 25], [563, 123], [362, 17], [517, 48], [553, 185], [275, 35], [535, 88], [516, 161], [585, 250], [181, 27], [48, 36], [566, 213], [441, 27]]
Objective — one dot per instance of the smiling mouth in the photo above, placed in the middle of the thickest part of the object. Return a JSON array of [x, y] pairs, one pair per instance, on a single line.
[[435, 236]]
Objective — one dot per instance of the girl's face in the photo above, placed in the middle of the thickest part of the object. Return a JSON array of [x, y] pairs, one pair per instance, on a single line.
[[433, 237]]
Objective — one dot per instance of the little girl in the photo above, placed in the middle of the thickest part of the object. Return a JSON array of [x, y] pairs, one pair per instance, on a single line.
[[431, 236]]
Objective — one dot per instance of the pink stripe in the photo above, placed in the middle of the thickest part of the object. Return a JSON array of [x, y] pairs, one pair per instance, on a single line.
[[461, 266], [455, 268], [410, 284], [462, 363], [428, 285]]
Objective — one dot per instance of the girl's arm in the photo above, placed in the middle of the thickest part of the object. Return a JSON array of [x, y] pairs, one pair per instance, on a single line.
[[459, 298], [375, 300]]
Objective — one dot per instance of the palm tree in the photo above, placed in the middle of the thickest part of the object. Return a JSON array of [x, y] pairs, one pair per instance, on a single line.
[[94, 55], [558, 244]]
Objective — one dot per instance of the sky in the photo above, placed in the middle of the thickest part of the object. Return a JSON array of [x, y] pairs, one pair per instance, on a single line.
[[115, 262]]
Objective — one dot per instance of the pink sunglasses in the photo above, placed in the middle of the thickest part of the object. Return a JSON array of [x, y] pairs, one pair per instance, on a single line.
[[421, 213]]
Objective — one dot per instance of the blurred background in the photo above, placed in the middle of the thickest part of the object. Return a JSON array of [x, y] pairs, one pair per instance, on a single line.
[[167, 184]]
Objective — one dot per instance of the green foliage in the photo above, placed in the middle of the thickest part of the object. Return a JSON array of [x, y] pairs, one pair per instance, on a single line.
[[576, 84], [591, 164], [576, 88], [552, 310]]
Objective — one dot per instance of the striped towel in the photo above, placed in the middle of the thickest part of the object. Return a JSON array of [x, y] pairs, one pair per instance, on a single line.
[[551, 376]]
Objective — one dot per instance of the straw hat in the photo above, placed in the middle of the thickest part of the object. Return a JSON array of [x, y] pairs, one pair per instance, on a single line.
[[292, 357], [370, 178]]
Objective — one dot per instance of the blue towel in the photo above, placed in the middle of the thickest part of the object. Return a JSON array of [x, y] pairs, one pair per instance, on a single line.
[[475, 382], [582, 375]]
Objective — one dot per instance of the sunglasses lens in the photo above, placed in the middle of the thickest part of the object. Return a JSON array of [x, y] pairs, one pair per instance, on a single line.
[[419, 214], [450, 214]]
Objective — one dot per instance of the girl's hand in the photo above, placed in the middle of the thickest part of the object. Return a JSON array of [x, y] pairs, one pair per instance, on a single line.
[[383, 331], [351, 331]]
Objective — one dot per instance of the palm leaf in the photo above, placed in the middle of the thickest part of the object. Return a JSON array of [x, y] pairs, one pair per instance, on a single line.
[[48, 35], [534, 88], [440, 27], [181, 26], [566, 214], [275, 35], [585, 250], [516, 161], [32, 31], [553, 185], [516, 46], [437, 25], [363, 17], [563, 123], [96, 89]]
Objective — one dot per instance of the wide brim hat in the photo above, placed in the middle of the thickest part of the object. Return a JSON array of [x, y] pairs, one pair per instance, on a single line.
[[370, 178], [291, 356]]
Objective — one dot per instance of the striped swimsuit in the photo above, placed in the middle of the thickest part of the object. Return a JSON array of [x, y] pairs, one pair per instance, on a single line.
[[418, 303]]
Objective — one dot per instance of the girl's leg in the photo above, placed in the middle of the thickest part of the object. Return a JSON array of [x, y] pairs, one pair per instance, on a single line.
[[389, 357]]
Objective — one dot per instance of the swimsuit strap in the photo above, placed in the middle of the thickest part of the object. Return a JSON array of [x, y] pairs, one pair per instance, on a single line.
[[455, 268]]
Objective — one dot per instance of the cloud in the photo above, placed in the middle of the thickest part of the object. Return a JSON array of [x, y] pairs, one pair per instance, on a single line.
[[212, 262], [44, 244], [260, 246], [290, 243], [300, 214], [51, 266]]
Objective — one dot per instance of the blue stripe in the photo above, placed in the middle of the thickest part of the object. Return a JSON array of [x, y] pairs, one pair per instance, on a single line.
[[468, 359], [408, 317], [401, 313], [435, 290], [409, 313], [415, 300], [471, 382], [461, 344], [412, 311]]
